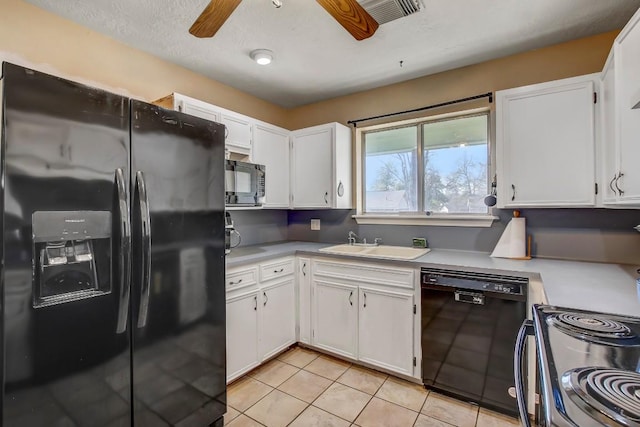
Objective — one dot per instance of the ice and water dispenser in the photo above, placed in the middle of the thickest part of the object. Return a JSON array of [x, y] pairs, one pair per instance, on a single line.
[[71, 256]]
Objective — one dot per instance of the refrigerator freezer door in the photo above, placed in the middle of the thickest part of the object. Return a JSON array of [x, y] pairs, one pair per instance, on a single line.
[[179, 303], [66, 358]]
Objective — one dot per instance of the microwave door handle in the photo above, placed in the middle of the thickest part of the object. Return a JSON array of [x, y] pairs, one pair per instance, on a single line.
[[123, 269], [525, 330], [145, 223]]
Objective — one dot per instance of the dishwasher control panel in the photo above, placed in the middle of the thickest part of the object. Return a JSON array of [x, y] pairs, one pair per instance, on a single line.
[[480, 282]]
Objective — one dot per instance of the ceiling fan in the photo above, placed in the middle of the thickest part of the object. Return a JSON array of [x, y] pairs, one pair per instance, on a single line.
[[353, 17]]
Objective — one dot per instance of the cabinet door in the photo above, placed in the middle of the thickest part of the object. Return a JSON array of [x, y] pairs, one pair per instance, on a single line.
[[546, 144], [277, 318], [304, 300], [385, 336], [609, 141], [271, 148], [242, 334], [238, 132], [196, 108], [627, 96], [312, 165], [335, 317]]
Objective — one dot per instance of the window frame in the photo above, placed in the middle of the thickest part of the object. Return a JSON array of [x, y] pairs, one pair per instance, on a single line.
[[419, 217]]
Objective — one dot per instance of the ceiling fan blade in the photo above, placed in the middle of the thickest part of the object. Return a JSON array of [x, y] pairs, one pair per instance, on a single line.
[[212, 17], [352, 17]]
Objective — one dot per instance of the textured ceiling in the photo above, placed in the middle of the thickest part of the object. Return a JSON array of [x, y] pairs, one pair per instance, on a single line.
[[317, 59]]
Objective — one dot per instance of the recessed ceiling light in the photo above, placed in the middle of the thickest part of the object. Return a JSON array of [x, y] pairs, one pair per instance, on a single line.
[[262, 56]]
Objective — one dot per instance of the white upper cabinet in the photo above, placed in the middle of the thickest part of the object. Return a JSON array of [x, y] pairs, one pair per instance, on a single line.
[[545, 144], [609, 150], [239, 134], [627, 96], [195, 107], [321, 167], [271, 148]]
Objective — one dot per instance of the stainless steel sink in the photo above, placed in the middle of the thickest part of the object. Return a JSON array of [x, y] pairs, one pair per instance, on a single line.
[[381, 251]]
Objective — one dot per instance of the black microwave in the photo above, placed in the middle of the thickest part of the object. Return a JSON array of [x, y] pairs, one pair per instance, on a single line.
[[244, 183]]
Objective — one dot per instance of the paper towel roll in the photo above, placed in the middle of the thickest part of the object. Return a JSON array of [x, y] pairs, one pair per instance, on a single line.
[[512, 243]]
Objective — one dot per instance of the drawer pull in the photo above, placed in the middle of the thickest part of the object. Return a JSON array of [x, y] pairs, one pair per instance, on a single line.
[[278, 271], [231, 282], [266, 298]]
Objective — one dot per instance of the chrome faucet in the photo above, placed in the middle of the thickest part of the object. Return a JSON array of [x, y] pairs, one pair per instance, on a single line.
[[353, 238], [377, 241]]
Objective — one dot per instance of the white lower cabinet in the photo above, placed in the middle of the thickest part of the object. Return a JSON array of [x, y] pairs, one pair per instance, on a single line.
[[242, 334], [385, 329], [365, 312], [304, 300], [261, 313], [335, 317], [278, 320], [357, 310]]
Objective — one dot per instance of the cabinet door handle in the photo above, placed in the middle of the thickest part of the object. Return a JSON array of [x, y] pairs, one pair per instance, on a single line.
[[304, 273], [278, 271], [340, 189], [326, 197], [350, 300], [365, 299], [255, 299], [266, 298], [620, 191], [235, 283], [611, 183], [513, 188]]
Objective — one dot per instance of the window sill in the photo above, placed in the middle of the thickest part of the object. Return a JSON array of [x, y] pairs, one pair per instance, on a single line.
[[434, 220]]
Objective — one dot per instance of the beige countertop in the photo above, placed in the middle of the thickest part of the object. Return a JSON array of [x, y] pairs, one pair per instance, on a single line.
[[609, 288]]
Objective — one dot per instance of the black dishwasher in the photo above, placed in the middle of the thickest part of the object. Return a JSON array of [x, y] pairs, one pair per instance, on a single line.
[[469, 326]]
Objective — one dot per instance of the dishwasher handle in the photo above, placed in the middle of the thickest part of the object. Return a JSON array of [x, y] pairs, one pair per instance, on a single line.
[[518, 358], [469, 297]]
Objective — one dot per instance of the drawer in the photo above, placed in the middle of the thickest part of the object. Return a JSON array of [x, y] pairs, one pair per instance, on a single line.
[[365, 273], [236, 279], [276, 269]]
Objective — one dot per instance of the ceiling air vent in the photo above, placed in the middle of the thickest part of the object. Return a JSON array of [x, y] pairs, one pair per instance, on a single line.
[[384, 11]]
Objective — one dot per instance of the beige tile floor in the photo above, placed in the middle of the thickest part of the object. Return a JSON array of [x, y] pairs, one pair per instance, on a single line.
[[302, 388]]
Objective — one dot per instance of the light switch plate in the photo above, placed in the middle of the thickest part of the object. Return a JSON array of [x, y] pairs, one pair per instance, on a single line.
[[315, 224]]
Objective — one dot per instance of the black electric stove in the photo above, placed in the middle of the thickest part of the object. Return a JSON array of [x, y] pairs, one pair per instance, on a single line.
[[589, 366]]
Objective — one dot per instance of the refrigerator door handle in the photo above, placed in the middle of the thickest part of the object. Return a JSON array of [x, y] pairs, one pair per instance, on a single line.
[[145, 222], [124, 256]]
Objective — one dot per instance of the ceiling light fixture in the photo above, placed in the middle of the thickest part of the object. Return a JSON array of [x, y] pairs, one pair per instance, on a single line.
[[262, 56]]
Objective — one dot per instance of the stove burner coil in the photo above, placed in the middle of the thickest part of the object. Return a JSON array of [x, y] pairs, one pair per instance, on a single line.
[[578, 324], [607, 394]]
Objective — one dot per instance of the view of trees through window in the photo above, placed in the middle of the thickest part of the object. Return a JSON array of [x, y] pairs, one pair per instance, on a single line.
[[452, 175]]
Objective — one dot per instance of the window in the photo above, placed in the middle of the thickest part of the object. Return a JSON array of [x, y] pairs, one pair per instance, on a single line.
[[435, 166]]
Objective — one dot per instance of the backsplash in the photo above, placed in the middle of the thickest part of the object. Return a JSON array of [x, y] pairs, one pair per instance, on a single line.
[[599, 235]]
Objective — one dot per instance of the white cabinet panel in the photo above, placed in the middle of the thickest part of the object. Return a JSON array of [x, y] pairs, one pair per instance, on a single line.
[[271, 148], [304, 300], [238, 132], [627, 57], [278, 322], [196, 108], [321, 167], [609, 145], [312, 169], [385, 324], [335, 318], [242, 334], [545, 140]]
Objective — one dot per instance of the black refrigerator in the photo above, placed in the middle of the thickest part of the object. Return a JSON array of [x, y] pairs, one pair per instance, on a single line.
[[112, 259]]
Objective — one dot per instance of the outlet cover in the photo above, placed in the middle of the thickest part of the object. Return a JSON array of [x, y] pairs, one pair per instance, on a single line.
[[315, 224]]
